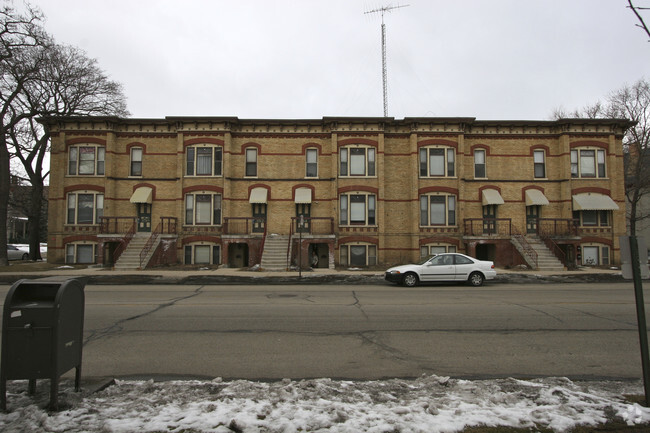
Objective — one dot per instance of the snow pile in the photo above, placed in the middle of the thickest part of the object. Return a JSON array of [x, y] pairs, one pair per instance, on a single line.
[[427, 404]]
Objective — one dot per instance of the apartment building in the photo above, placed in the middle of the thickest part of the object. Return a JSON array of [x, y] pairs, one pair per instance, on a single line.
[[351, 192]]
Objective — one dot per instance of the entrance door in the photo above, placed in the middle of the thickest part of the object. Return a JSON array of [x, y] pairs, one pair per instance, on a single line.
[[144, 217], [532, 215], [304, 210], [259, 217], [489, 219]]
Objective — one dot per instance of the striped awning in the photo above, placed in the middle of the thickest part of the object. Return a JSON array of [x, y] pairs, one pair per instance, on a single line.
[[593, 201], [258, 195], [535, 197], [492, 196], [142, 195], [303, 195]]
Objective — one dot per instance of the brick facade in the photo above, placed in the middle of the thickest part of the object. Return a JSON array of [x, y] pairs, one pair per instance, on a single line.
[[409, 185]]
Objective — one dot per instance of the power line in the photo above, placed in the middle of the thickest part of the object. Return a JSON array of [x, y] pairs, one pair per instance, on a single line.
[[384, 70]]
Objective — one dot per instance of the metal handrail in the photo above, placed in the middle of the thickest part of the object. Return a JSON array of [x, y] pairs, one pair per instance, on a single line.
[[528, 250], [150, 242], [116, 225], [555, 249], [488, 226], [125, 243]]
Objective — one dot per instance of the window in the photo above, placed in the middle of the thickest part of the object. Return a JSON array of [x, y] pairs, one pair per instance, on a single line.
[[136, 161], [357, 209], [80, 253], [588, 163], [432, 250], [437, 161], [312, 163], [539, 163], [204, 161], [479, 164], [202, 254], [358, 255], [86, 160], [85, 208], [357, 161], [203, 209], [251, 162], [595, 255], [593, 218], [437, 210]]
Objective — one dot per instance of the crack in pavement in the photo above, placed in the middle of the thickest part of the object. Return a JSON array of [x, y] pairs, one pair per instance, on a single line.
[[117, 326], [357, 304], [537, 310]]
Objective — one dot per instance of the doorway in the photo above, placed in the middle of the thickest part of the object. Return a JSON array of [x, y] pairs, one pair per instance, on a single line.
[[486, 251], [303, 210], [319, 256], [532, 217], [144, 217], [489, 219], [259, 217], [238, 255]]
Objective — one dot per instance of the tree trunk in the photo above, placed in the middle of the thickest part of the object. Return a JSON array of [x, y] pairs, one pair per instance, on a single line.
[[34, 220], [4, 198]]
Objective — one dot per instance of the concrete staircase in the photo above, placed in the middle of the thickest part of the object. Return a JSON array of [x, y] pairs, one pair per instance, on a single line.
[[274, 256], [546, 260], [130, 258]]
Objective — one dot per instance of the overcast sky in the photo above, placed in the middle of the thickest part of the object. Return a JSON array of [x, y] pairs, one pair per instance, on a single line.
[[489, 59]]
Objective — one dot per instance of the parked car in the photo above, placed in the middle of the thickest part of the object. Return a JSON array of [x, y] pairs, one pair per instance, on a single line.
[[17, 253], [443, 267]]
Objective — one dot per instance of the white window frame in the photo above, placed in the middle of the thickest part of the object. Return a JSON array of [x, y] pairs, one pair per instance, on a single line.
[[135, 161], [311, 161], [450, 210], [192, 161], [370, 254], [579, 161], [192, 215], [478, 164], [98, 160], [72, 252], [603, 252], [72, 207], [600, 218], [539, 161], [426, 157], [366, 157], [351, 205], [251, 162], [191, 251]]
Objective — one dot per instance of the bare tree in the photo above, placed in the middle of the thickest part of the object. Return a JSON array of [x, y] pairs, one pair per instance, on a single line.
[[69, 83], [21, 42], [636, 10]]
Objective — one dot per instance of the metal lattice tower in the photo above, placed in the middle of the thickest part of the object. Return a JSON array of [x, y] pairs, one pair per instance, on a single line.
[[384, 69]]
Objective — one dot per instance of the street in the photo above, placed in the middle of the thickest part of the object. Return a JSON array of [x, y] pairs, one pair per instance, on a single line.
[[581, 331]]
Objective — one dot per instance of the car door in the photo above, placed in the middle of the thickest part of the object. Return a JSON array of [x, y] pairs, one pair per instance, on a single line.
[[464, 267], [439, 268]]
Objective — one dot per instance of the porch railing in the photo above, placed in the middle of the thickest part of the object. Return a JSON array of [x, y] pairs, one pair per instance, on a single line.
[[244, 226], [527, 249], [488, 226], [313, 225], [116, 225], [125, 243], [557, 227], [167, 225], [555, 249]]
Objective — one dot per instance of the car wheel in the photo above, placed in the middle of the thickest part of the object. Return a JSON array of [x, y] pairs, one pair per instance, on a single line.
[[25, 256], [476, 279], [410, 280]]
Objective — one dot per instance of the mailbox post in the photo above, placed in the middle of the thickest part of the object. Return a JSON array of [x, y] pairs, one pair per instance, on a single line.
[[42, 333]]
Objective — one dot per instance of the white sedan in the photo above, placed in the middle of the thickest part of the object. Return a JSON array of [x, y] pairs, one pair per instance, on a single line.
[[443, 267], [17, 252]]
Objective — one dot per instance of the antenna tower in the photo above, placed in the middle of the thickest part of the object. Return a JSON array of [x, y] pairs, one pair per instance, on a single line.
[[384, 70]]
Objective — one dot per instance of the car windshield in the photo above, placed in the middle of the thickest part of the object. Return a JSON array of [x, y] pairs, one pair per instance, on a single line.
[[426, 259]]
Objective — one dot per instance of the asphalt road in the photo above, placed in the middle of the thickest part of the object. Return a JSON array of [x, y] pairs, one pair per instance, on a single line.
[[581, 331]]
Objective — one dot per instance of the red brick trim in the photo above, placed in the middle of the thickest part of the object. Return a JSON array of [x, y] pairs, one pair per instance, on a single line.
[[259, 185], [429, 189], [201, 238], [441, 239], [595, 189], [203, 140], [366, 239], [85, 140], [312, 146], [480, 146], [589, 143], [212, 188], [358, 188], [349, 141], [83, 186], [596, 240], [77, 238], [540, 147], [437, 141]]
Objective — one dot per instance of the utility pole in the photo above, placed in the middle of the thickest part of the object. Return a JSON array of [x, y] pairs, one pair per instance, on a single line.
[[384, 70]]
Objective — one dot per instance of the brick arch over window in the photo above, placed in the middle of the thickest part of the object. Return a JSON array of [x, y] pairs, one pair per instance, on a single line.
[[364, 239], [136, 144], [363, 188], [83, 186], [430, 189], [595, 189], [260, 185], [78, 238], [526, 188], [440, 240], [543, 147], [589, 143], [303, 185], [480, 190], [149, 185], [85, 140], [364, 141], [437, 141], [480, 147], [596, 240], [201, 238], [312, 146], [203, 140], [249, 145], [212, 188]]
